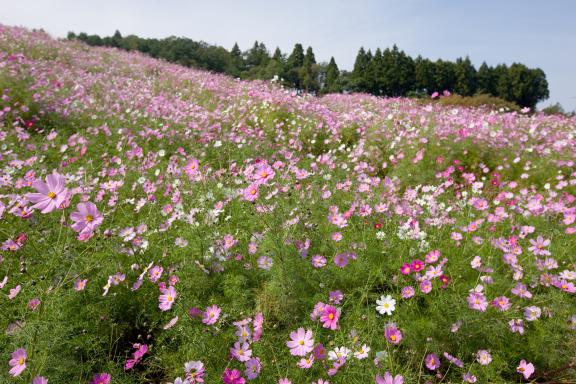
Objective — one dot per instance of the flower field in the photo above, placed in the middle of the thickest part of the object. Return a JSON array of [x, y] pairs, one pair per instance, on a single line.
[[160, 224]]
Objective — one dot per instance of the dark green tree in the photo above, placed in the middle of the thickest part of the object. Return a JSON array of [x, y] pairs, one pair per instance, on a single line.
[[293, 64], [465, 77], [331, 80]]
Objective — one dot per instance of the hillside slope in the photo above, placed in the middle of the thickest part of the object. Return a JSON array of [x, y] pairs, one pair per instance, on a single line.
[[209, 219]]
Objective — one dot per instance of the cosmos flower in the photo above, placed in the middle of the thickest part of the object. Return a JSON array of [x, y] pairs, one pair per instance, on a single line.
[[86, 218], [17, 362], [389, 379], [101, 378], [526, 369], [49, 195], [167, 298], [211, 315], [301, 342], [329, 317], [385, 305]]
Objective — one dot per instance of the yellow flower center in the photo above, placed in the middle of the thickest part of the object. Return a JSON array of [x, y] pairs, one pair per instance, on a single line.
[[393, 337], [169, 298], [301, 342], [51, 195], [89, 218], [331, 316], [21, 361]]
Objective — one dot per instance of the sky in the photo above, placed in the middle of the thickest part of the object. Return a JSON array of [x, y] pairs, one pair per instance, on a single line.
[[536, 33]]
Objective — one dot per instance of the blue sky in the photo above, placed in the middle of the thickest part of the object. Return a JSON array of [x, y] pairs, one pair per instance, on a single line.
[[536, 33]]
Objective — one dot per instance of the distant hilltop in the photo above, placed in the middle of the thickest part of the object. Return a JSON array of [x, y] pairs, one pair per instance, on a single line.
[[388, 72]]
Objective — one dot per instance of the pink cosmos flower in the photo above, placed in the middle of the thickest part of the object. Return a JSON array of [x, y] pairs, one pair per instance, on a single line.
[[229, 241], [194, 371], [50, 195], [406, 269], [392, 334], [18, 362], [417, 265], [501, 303], [483, 357], [526, 369], [87, 218], [155, 273], [408, 292], [101, 378], [341, 260], [432, 361], [253, 368], [14, 292], [191, 168], [251, 193], [301, 342], [141, 350], [329, 317], [40, 380], [241, 352], [477, 301], [233, 377], [211, 315], [516, 325], [388, 379], [167, 298], [80, 284]]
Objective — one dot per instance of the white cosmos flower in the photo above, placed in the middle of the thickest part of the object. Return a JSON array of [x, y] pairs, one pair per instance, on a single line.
[[339, 352], [386, 305]]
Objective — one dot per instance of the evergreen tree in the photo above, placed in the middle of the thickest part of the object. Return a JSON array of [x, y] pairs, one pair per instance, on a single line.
[[465, 77], [358, 76], [486, 80], [332, 76], [237, 65], [293, 64], [309, 72]]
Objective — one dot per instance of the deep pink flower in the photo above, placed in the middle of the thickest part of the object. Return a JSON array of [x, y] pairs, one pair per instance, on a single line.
[[329, 317], [233, 377], [101, 378]]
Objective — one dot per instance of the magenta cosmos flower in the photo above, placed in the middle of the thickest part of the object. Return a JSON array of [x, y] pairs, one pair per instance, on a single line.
[[18, 362], [211, 315], [388, 379], [86, 218], [101, 378], [393, 334], [526, 369], [301, 342], [49, 195], [167, 298], [232, 377], [329, 317]]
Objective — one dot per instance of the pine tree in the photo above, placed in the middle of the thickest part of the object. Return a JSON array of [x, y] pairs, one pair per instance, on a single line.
[[293, 64], [331, 84]]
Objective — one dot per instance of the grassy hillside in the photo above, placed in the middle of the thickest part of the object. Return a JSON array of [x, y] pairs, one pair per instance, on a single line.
[[207, 220]]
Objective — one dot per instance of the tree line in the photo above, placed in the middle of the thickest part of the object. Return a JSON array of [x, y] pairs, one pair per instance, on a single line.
[[388, 72]]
